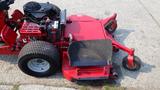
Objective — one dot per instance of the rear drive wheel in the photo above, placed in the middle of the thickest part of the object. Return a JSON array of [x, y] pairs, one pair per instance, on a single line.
[[39, 59], [136, 63]]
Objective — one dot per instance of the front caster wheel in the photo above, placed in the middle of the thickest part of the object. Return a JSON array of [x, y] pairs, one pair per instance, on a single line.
[[136, 63]]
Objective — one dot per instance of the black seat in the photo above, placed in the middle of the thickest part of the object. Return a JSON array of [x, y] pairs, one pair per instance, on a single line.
[[90, 53]]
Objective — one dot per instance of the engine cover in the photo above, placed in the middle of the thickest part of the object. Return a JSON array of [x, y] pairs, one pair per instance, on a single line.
[[31, 29]]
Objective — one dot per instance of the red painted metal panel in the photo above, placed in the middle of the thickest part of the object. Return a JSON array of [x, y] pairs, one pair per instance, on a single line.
[[2, 19], [8, 35], [6, 50], [91, 29], [29, 28], [83, 72]]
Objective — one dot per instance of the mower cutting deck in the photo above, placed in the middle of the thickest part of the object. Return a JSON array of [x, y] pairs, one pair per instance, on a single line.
[[80, 44]]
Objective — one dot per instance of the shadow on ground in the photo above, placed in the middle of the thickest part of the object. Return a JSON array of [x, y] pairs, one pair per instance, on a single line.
[[12, 59]]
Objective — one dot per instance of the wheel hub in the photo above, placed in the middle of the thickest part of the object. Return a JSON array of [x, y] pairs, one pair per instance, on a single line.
[[38, 65], [132, 67]]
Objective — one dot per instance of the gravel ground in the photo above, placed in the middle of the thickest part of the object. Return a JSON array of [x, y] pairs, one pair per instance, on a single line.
[[139, 25]]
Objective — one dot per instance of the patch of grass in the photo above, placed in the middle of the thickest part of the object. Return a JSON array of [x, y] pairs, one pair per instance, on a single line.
[[84, 88], [112, 87], [15, 87]]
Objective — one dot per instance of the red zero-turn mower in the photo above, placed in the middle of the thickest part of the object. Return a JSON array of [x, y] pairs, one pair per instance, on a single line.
[[45, 40]]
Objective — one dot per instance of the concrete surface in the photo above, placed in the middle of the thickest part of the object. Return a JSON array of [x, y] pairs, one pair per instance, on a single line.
[[32, 87], [42, 87], [139, 28], [6, 87]]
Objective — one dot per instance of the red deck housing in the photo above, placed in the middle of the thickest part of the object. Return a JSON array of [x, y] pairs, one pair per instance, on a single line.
[[85, 28]]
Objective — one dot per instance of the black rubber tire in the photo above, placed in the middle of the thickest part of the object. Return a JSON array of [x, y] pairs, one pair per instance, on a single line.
[[39, 49], [136, 62], [115, 50]]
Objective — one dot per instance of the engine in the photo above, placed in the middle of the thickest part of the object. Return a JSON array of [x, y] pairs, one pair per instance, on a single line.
[[41, 22], [39, 12]]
